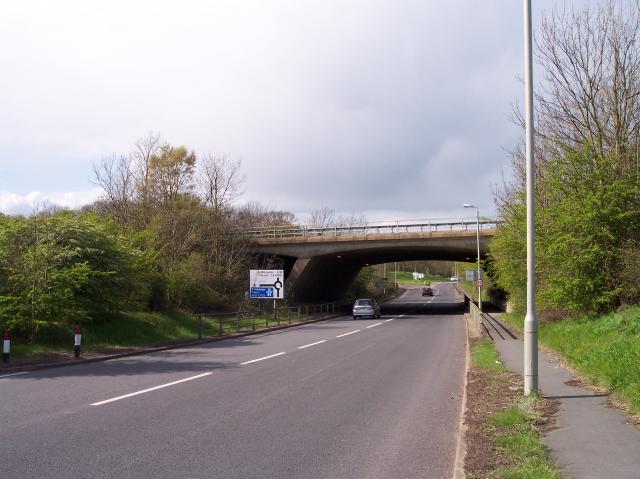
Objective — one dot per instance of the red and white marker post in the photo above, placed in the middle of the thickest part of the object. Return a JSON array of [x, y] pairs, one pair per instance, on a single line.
[[76, 342], [6, 346]]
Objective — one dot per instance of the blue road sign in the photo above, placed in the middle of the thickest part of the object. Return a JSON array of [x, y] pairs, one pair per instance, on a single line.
[[262, 292]]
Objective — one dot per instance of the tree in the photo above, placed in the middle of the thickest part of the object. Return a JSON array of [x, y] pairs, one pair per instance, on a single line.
[[588, 166], [171, 173], [321, 218], [115, 176], [218, 180], [63, 267]]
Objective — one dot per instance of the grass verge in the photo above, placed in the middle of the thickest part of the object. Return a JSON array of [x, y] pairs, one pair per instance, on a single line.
[[504, 428], [406, 277], [605, 350], [113, 332], [124, 332]]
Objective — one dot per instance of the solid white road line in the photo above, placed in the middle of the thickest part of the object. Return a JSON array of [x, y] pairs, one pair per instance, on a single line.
[[387, 320], [262, 359], [100, 403], [347, 334], [312, 344], [13, 374], [373, 325]]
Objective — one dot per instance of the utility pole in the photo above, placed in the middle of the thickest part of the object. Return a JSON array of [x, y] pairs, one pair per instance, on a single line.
[[530, 320]]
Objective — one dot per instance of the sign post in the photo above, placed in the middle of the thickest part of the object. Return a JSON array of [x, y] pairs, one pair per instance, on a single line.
[[266, 284]]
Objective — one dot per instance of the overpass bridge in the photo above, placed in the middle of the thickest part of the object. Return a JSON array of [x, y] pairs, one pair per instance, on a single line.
[[320, 263]]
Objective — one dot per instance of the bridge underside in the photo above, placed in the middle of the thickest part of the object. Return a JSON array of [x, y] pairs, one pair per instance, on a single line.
[[321, 269]]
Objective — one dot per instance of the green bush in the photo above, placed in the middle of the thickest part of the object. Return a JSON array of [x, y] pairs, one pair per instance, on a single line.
[[63, 267], [587, 218]]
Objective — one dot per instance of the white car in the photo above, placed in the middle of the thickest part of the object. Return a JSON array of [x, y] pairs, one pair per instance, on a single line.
[[454, 279], [366, 307]]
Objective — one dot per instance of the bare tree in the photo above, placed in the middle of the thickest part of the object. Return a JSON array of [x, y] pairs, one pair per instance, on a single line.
[[353, 220], [255, 215], [114, 175], [591, 89], [144, 149], [218, 181], [590, 93], [323, 217]]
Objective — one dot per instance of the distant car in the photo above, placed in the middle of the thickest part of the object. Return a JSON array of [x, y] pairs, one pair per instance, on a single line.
[[454, 279], [427, 292], [366, 307]]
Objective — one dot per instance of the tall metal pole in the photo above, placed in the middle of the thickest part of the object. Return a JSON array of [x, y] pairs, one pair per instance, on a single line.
[[395, 277], [384, 275], [530, 320], [479, 279]]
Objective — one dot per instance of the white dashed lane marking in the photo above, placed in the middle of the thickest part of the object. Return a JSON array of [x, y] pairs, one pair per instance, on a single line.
[[312, 344], [13, 374], [347, 334], [100, 403], [173, 383], [262, 359]]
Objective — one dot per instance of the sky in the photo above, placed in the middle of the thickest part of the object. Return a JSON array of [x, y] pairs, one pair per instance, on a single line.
[[393, 109]]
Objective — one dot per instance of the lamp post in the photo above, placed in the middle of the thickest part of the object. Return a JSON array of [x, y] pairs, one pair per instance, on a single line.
[[530, 320], [467, 205]]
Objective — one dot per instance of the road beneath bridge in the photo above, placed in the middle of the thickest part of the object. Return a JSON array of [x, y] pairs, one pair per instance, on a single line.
[[338, 399]]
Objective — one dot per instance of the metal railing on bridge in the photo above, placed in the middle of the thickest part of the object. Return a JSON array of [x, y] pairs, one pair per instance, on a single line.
[[383, 227]]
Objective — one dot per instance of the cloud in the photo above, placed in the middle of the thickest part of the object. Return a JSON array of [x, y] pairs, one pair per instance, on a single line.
[[358, 105], [16, 204]]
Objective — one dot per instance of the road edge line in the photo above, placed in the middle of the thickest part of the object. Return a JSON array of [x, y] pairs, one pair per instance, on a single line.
[[461, 446]]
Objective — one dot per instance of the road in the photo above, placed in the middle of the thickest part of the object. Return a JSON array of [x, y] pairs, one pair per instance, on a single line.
[[337, 399]]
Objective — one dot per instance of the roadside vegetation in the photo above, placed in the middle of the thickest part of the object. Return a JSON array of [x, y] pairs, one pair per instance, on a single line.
[[588, 169], [587, 195], [471, 287], [119, 331], [504, 428], [605, 350], [165, 243], [159, 242], [407, 278]]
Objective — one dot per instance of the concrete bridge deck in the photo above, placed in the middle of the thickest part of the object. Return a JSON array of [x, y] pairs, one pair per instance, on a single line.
[[320, 263]]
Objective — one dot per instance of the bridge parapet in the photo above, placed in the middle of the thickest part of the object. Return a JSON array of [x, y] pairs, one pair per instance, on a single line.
[[384, 227]]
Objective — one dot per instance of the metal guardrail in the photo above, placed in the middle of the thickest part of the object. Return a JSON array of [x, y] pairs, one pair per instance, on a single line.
[[384, 227], [223, 324]]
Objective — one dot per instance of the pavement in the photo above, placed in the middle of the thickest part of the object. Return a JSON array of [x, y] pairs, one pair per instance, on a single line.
[[592, 439], [343, 398]]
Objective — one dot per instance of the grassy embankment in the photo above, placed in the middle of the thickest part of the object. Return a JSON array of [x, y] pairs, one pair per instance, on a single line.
[[606, 350], [514, 431], [130, 330], [406, 277], [471, 287], [123, 330]]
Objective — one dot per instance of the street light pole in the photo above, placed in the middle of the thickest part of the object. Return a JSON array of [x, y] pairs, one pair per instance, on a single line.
[[395, 277], [479, 279], [530, 320]]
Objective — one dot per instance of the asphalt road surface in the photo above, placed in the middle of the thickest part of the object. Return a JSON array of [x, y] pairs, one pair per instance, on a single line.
[[338, 399]]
